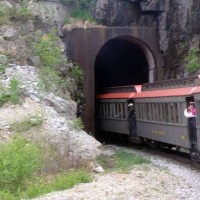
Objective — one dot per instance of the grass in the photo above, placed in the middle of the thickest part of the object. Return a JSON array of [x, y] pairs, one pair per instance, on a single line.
[[22, 172], [12, 93], [121, 161], [59, 182], [27, 123]]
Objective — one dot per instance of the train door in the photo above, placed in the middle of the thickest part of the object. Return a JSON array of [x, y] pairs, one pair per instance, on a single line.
[[191, 110]]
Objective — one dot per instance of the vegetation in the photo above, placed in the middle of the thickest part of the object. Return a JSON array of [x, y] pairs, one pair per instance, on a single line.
[[78, 3], [193, 60], [27, 123], [3, 63], [82, 14], [10, 94], [50, 53], [121, 161], [77, 74], [14, 14], [20, 161], [77, 124], [62, 181]]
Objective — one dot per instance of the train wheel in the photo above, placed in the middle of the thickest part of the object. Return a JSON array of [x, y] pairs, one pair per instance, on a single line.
[[135, 139], [123, 137]]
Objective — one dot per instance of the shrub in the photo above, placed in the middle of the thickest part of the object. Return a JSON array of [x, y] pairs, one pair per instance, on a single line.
[[193, 60], [3, 63], [78, 3], [10, 94], [20, 14], [4, 13], [77, 124], [9, 15], [48, 49], [50, 52], [77, 73], [18, 161], [82, 15]]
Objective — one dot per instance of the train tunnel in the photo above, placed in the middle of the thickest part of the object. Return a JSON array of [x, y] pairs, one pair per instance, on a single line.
[[121, 61]]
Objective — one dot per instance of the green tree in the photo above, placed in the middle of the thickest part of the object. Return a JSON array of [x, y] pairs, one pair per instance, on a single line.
[[193, 60]]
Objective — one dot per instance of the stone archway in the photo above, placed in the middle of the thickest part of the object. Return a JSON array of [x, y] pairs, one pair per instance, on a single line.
[[84, 44], [124, 60]]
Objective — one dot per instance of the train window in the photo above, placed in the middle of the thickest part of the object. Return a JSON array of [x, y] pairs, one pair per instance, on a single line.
[[154, 112], [122, 110], [157, 113], [166, 119], [145, 111], [160, 112], [169, 113], [150, 112], [175, 113]]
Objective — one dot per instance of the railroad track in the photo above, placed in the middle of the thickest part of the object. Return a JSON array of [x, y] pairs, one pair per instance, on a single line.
[[182, 156]]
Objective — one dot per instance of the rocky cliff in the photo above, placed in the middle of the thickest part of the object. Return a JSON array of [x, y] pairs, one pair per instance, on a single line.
[[23, 26], [178, 24]]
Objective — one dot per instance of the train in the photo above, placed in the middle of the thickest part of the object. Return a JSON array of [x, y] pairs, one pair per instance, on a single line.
[[159, 113]]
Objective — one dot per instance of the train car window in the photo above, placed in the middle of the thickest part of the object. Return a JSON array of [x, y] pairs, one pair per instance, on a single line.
[[122, 110], [157, 113], [161, 112], [106, 109], [145, 111], [174, 111], [140, 111], [149, 111], [166, 113], [169, 113], [154, 112]]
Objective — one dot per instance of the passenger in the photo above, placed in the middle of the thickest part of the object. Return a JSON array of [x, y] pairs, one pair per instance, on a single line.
[[132, 120], [190, 113], [192, 109]]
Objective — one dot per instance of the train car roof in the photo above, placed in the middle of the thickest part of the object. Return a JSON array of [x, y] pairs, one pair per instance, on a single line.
[[122, 92], [166, 92], [151, 94]]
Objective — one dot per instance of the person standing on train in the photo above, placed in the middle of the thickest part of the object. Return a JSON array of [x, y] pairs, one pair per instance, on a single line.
[[191, 110], [132, 121]]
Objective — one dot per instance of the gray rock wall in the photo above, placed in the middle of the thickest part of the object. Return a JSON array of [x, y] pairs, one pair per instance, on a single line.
[[178, 24]]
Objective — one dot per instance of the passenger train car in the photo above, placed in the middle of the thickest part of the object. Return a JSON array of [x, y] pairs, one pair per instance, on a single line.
[[159, 112]]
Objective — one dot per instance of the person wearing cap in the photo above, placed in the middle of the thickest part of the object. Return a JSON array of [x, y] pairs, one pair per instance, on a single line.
[[192, 109], [132, 120], [190, 113]]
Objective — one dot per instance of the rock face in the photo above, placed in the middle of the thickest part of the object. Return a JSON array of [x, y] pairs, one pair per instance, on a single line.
[[178, 24], [64, 145]]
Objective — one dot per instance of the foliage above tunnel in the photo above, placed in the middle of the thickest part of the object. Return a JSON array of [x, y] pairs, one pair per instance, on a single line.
[[193, 60], [77, 3]]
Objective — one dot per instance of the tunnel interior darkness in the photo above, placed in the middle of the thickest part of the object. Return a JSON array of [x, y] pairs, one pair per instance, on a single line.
[[120, 62]]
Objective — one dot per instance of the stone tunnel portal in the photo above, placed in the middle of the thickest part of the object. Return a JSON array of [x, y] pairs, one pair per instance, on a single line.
[[121, 61], [112, 56]]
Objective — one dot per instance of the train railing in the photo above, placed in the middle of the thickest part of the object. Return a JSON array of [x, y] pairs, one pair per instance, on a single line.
[[119, 89], [175, 83]]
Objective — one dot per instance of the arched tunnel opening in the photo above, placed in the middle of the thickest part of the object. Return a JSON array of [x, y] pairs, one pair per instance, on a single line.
[[120, 62]]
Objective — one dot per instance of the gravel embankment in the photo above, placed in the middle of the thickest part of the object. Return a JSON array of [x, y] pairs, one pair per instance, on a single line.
[[164, 179]]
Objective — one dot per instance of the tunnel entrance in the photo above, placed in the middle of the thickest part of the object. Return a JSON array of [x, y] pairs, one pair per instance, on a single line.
[[120, 62]]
